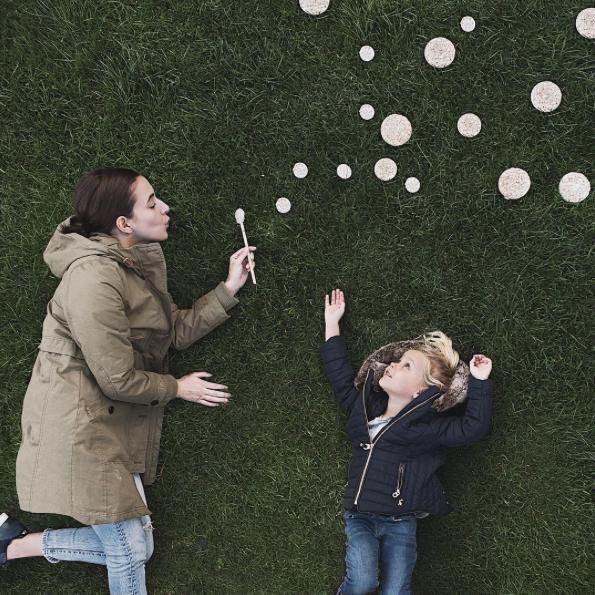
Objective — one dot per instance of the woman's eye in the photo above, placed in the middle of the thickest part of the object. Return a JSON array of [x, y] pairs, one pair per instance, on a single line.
[[152, 206]]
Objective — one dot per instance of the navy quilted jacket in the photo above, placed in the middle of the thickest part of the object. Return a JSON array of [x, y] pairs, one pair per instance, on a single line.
[[396, 472]]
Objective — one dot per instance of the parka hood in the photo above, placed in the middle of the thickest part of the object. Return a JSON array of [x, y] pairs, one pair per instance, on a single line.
[[64, 249]]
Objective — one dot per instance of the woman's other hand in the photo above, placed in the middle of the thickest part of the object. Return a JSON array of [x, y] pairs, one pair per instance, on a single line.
[[193, 388], [480, 366], [239, 269]]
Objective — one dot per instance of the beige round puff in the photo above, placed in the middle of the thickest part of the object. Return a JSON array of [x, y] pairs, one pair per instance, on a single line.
[[367, 53], [283, 205], [469, 125], [585, 23], [514, 183], [440, 52], [344, 171], [546, 96], [396, 130], [574, 187], [467, 24], [314, 6], [366, 112], [385, 169], [300, 170], [412, 185]]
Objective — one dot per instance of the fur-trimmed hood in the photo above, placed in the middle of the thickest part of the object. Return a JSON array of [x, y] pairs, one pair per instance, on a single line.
[[379, 360]]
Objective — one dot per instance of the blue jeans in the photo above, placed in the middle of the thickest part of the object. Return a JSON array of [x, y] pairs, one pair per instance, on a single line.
[[122, 547], [374, 538]]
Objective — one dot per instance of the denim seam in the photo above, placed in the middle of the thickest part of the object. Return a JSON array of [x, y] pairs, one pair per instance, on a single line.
[[122, 533], [44, 547]]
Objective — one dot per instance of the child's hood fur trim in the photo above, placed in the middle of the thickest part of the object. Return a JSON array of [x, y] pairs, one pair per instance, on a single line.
[[380, 359]]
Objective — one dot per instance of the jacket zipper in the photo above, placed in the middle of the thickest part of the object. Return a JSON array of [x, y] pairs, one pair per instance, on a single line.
[[370, 446], [399, 486]]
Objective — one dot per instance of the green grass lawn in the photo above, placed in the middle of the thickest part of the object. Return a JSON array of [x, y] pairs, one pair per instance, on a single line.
[[214, 101]]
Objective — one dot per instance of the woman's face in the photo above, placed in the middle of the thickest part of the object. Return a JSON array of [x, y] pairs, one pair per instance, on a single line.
[[404, 378], [149, 221]]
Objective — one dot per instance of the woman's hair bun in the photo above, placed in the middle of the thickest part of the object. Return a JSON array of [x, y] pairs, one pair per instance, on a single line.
[[75, 226]]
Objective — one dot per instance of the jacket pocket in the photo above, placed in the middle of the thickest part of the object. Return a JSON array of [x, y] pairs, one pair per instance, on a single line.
[[399, 484]]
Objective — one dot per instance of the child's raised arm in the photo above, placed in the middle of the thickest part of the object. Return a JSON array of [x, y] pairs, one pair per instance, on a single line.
[[333, 312], [334, 352]]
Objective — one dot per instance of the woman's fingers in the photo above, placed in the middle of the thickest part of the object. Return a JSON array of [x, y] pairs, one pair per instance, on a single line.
[[216, 397], [242, 252], [212, 385], [217, 394]]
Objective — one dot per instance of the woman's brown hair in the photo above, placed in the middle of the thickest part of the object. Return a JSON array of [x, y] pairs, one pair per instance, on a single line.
[[100, 197]]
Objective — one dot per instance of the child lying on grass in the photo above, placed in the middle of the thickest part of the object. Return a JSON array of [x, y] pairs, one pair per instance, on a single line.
[[401, 426]]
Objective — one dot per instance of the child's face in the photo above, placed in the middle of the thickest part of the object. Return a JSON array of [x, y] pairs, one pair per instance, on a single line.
[[405, 377]]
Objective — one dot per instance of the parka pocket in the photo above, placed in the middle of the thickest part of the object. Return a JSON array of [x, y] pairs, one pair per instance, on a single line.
[[399, 484]]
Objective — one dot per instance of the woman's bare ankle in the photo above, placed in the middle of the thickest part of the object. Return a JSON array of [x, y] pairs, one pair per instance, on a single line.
[[26, 547]]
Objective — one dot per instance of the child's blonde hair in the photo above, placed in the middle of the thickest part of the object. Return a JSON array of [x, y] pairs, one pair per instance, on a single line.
[[442, 359]]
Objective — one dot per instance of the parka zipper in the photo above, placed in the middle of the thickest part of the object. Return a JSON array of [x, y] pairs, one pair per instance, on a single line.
[[370, 446], [399, 486]]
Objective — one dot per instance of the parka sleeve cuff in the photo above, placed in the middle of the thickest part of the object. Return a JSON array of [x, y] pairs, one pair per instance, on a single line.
[[486, 385], [166, 391], [227, 300]]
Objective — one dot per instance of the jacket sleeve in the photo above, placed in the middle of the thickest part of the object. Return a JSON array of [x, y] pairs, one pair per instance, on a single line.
[[455, 430], [95, 313], [206, 314], [339, 371]]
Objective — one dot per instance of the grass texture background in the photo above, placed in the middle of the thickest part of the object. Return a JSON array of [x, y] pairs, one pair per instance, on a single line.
[[214, 101]]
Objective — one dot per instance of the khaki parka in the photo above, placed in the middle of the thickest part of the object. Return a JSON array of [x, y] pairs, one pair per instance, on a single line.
[[93, 410]]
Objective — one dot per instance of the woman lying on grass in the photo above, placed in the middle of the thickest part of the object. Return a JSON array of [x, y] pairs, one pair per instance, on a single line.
[[401, 430], [93, 411]]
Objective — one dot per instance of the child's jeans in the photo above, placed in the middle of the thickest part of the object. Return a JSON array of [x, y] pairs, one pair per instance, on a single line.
[[374, 538], [122, 547]]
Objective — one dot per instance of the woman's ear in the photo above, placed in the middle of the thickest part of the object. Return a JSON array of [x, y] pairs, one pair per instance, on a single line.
[[122, 225]]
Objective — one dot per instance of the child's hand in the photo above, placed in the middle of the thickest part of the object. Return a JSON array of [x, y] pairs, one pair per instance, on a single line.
[[334, 309], [480, 366]]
